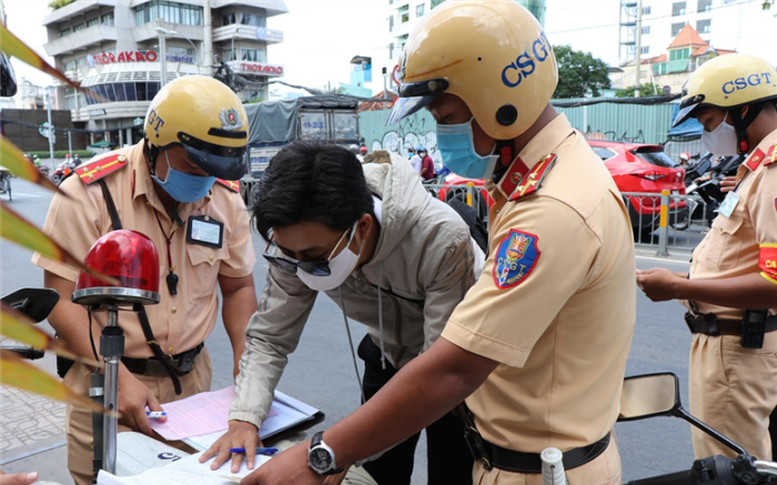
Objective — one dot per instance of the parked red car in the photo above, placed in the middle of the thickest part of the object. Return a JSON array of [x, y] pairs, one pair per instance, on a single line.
[[635, 167]]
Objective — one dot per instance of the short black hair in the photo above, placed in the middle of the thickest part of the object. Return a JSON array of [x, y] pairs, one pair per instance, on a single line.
[[311, 181]]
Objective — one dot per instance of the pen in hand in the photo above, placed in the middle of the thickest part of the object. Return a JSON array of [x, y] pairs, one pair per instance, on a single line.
[[259, 451], [156, 414]]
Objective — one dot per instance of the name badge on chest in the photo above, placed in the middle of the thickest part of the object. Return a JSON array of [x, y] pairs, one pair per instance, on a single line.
[[206, 231], [729, 204]]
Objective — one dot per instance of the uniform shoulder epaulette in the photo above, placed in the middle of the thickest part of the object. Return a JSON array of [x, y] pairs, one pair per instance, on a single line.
[[532, 180], [771, 156], [233, 185], [97, 169]]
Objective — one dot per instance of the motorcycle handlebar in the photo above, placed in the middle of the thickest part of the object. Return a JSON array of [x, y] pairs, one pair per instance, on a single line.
[[719, 470], [677, 478]]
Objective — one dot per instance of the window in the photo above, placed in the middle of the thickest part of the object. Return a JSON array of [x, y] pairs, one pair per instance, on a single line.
[[645, 50], [419, 10], [69, 65], [646, 10], [404, 14], [65, 32], [646, 30], [391, 23], [391, 50], [78, 27], [678, 8], [436, 2], [107, 19], [175, 13], [174, 52], [703, 26], [676, 28], [92, 22], [229, 55], [81, 62], [704, 6], [229, 19], [253, 19], [252, 55]]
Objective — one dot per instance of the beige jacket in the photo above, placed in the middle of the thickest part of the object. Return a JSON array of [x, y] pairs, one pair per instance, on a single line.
[[424, 263]]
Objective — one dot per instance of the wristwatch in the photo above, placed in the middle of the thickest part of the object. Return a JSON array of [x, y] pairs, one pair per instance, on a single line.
[[321, 458]]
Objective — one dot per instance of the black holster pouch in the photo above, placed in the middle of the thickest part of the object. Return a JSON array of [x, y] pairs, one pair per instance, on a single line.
[[473, 437], [706, 323]]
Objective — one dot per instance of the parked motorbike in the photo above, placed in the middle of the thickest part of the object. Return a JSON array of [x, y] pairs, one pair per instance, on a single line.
[[654, 395], [708, 190], [5, 182]]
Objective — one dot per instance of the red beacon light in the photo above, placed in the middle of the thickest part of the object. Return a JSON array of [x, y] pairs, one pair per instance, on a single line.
[[130, 257]]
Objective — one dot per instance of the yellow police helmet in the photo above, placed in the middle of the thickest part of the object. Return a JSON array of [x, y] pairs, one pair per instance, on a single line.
[[205, 117], [727, 82], [493, 54]]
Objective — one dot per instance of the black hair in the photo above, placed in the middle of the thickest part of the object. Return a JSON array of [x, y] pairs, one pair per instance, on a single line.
[[311, 181]]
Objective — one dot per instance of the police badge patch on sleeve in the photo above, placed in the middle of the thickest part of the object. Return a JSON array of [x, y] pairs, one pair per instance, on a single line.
[[515, 258]]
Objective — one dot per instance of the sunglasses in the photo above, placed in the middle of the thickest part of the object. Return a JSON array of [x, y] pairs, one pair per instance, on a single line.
[[316, 268]]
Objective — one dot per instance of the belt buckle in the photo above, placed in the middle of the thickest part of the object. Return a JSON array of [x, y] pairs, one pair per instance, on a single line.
[[476, 447]]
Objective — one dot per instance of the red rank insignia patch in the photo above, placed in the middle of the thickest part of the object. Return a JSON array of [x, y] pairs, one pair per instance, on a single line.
[[767, 261], [515, 259]]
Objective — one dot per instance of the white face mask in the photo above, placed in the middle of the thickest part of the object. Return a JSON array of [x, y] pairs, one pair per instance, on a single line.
[[340, 267], [722, 141]]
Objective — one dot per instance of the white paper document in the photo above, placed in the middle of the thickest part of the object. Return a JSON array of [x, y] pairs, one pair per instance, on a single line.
[[201, 419], [186, 471]]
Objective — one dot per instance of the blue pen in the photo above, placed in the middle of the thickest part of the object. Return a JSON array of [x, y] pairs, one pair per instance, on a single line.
[[156, 414], [259, 451]]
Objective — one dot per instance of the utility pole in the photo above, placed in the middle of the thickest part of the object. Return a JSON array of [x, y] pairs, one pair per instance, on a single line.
[[638, 58], [163, 56], [51, 126], [207, 38]]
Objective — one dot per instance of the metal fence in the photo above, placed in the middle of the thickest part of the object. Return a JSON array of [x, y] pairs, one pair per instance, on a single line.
[[664, 221]]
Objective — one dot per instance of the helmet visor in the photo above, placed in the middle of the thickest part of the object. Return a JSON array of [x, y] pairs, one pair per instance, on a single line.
[[227, 163], [686, 109], [414, 96]]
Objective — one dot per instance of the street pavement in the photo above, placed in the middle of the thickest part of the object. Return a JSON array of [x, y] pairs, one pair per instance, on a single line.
[[320, 372]]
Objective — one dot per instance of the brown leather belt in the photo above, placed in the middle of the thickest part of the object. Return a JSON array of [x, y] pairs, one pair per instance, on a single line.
[[183, 363]]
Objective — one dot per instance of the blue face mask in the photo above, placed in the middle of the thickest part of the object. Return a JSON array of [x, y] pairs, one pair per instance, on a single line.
[[184, 187], [456, 146]]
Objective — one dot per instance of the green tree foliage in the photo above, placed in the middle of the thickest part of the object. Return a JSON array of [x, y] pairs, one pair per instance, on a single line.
[[55, 4], [578, 73], [767, 4], [646, 89]]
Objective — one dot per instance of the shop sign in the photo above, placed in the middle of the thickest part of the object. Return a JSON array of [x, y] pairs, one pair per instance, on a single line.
[[124, 56], [266, 69]]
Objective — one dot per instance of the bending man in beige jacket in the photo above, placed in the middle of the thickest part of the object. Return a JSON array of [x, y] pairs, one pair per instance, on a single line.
[[391, 256]]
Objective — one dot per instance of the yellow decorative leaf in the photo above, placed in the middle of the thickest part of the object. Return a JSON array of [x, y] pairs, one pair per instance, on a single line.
[[14, 325], [18, 373], [17, 229], [15, 161], [13, 46]]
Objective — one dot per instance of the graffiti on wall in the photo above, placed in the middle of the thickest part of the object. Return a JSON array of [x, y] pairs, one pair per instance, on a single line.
[[413, 131]]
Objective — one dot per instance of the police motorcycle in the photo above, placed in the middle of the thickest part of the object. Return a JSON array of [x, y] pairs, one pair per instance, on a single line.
[[708, 190], [653, 395]]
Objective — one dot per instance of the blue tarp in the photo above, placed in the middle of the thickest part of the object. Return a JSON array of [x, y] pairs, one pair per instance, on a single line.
[[688, 129]]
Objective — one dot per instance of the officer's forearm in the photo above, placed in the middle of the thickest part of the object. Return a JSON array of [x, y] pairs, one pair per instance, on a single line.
[[422, 392], [238, 307], [747, 291]]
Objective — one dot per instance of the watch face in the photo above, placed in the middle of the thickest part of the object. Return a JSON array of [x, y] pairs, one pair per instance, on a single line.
[[320, 459]]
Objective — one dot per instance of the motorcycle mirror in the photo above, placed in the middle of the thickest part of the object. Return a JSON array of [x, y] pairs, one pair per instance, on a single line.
[[649, 395], [653, 395], [8, 85], [35, 303]]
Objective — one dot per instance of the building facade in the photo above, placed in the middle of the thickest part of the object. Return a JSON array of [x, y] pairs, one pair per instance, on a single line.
[[113, 48], [732, 25], [403, 15]]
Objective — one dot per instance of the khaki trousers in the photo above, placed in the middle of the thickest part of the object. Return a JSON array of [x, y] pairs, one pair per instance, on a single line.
[[605, 469], [734, 390], [79, 419]]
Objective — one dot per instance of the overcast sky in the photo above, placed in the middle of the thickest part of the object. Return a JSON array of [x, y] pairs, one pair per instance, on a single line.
[[321, 36]]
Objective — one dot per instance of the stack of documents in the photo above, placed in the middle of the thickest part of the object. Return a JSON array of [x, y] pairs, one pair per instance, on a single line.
[[186, 471]]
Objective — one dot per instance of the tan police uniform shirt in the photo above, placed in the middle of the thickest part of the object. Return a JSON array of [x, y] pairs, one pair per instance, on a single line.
[[179, 322], [556, 303], [745, 242]]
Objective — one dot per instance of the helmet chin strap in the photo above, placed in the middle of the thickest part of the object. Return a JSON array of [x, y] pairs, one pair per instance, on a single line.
[[742, 124], [151, 154]]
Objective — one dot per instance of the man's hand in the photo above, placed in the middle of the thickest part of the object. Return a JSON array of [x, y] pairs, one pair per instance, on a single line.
[[134, 398], [727, 184], [659, 284], [18, 478], [287, 468], [239, 435]]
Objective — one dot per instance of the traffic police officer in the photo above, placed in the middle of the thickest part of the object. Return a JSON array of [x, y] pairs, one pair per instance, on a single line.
[[539, 344], [730, 291], [196, 131]]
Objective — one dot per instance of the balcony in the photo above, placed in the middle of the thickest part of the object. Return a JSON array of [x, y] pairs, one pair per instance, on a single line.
[[272, 7], [247, 32], [148, 31], [81, 40]]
